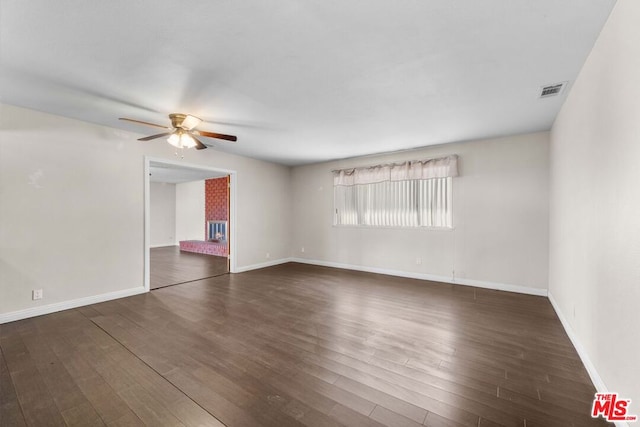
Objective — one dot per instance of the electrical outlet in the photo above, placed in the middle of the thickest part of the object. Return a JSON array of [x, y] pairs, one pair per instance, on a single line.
[[36, 294], [302, 249], [418, 261], [268, 255]]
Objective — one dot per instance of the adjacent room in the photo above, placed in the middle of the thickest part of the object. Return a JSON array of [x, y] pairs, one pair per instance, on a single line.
[[189, 224], [320, 214]]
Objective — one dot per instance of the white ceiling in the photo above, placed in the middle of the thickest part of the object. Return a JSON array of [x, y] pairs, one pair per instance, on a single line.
[[174, 174], [300, 81]]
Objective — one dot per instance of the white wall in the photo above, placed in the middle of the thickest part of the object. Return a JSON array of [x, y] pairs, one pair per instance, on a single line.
[[190, 201], [500, 213], [595, 206], [72, 209], [162, 201]]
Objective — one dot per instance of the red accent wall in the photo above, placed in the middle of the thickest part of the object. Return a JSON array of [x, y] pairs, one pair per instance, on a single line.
[[216, 205], [216, 196]]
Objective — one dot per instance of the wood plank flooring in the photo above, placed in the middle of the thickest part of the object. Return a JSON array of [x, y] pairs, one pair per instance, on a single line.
[[297, 345], [170, 266]]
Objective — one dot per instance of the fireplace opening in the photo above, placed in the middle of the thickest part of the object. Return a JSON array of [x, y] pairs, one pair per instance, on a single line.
[[217, 231]]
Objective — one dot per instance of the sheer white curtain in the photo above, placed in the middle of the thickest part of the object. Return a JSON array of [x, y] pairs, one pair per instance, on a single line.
[[409, 194]]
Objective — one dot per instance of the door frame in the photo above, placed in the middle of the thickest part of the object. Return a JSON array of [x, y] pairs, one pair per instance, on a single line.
[[232, 174]]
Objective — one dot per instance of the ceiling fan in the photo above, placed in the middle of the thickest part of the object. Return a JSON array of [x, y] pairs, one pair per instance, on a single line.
[[182, 133]]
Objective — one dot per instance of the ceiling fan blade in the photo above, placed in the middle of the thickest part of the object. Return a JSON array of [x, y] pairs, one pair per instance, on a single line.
[[216, 135], [199, 144], [143, 123], [190, 122], [149, 138]]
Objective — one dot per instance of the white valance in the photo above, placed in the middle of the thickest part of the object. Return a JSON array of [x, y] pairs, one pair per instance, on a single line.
[[410, 170]]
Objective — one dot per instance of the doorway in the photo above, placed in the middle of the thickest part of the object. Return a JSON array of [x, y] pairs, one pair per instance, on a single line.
[[184, 203]]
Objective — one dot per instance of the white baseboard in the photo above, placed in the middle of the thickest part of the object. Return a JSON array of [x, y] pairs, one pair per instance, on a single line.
[[66, 305], [507, 287], [262, 265], [591, 369], [166, 245], [586, 361], [423, 276]]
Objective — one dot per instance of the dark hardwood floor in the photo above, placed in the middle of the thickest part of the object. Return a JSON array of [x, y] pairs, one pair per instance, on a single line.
[[297, 345], [170, 266]]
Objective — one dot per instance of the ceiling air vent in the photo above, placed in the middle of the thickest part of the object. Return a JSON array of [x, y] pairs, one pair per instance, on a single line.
[[552, 90]]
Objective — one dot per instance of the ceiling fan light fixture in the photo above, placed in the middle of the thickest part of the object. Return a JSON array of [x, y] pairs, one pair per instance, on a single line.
[[181, 139], [187, 141], [174, 140]]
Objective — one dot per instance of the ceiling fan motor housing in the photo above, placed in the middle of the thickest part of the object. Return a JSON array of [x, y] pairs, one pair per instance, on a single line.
[[177, 119]]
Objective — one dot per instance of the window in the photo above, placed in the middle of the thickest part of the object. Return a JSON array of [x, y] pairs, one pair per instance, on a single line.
[[410, 194], [417, 203]]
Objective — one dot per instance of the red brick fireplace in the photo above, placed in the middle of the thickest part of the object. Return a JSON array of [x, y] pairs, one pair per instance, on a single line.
[[216, 208]]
